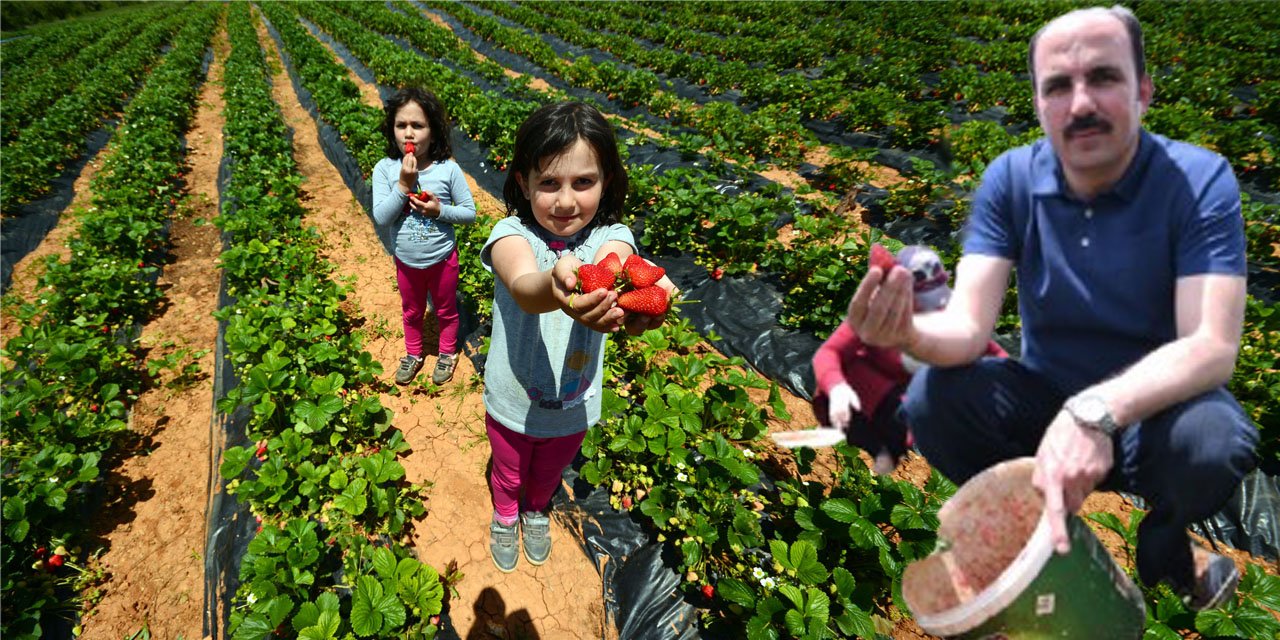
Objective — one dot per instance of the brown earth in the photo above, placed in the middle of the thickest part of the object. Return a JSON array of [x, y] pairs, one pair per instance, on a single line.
[[152, 523], [152, 529]]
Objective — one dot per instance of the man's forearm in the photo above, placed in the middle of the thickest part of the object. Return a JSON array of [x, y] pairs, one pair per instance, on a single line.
[[946, 340], [1177, 371]]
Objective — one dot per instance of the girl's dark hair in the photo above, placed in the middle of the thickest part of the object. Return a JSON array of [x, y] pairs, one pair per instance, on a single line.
[[551, 131], [437, 118]]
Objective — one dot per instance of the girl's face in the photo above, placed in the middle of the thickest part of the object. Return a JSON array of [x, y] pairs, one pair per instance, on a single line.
[[565, 192], [411, 125]]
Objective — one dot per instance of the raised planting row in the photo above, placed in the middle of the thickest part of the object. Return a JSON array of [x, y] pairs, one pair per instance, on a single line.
[[682, 445], [75, 370], [58, 66], [486, 116], [37, 155], [319, 470]]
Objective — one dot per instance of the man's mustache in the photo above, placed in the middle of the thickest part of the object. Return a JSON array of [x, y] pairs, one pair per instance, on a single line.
[[1086, 122]]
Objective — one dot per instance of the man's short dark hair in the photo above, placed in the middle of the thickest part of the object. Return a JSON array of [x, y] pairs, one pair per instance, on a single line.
[[1131, 25]]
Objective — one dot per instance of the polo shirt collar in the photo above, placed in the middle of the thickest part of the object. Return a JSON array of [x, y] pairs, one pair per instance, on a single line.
[[1049, 180]]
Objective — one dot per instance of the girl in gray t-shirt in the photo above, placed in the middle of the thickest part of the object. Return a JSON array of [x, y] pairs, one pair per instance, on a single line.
[[542, 380]]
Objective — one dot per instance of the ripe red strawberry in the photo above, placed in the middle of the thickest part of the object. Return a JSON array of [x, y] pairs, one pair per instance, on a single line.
[[593, 276], [717, 273], [626, 502], [262, 450], [708, 591], [613, 263], [649, 301], [56, 561], [880, 257], [408, 147], [41, 552], [641, 273]]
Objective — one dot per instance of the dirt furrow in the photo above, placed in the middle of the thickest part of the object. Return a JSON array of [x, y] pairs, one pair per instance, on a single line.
[[152, 524], [561, 599]]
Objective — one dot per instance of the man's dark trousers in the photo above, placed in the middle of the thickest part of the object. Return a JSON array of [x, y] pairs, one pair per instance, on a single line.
[[1185, 462]]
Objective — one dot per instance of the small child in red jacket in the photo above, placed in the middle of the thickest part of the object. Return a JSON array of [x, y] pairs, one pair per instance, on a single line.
[[860, 387]]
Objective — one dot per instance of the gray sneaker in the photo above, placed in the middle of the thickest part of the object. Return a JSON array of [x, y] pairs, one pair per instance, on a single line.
[[409, 367], [445, 365], [535, 529], [503, 546]]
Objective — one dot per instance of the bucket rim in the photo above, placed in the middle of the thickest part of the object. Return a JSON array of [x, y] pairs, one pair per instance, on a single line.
[[1002, 592]]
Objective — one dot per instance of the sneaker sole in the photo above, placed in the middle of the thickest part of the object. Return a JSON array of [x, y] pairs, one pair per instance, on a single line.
[[536, 563], [500, 568]]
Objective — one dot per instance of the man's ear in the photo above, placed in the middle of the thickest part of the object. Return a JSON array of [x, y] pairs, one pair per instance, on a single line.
[[1146, 91]]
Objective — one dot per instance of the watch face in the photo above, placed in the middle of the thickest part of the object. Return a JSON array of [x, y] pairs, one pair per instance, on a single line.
[[1092, 410]]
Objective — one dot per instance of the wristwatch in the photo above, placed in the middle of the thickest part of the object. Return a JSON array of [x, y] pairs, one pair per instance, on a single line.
[[1091, 411]]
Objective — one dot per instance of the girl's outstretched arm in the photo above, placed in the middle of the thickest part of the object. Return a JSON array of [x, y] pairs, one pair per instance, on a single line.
[[540, 292]]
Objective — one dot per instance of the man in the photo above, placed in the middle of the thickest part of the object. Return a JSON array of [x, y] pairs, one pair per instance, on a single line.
[[1131, 288]]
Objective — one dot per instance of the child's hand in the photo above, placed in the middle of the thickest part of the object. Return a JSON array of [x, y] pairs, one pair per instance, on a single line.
[[425, 203], [597, 310], [844, 403], [638, 323], [409, 173]]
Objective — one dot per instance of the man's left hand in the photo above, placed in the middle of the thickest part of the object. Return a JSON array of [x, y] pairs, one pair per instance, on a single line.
[[1071, 461]]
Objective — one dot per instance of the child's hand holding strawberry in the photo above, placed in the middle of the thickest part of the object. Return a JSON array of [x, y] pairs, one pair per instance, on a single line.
[[425, 203], [585, 293], [409, 170]]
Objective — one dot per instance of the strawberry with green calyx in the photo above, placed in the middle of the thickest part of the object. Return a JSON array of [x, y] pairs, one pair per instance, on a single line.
[[640, 273], [649, 301], [881, 257], [592, 277]]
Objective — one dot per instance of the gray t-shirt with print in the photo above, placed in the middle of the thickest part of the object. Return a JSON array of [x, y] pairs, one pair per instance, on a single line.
[[543, 373]]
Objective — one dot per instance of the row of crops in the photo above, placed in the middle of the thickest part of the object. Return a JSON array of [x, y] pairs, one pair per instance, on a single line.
[[74, 371], [733, 89]]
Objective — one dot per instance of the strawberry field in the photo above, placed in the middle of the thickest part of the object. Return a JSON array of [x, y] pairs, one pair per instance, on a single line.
[[200, 438]]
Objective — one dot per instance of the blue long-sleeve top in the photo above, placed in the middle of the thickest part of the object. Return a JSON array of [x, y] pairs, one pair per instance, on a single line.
[[419, 241]]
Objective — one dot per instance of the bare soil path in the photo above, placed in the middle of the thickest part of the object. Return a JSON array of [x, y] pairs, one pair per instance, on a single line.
[[152, 524]]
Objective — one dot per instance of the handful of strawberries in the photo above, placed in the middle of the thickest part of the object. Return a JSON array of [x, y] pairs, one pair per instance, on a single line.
[[635, 280]]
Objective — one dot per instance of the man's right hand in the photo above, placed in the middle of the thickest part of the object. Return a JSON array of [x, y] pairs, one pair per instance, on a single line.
[[881, 309]]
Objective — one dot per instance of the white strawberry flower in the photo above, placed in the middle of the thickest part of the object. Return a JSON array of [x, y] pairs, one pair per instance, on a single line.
[[757, 573], [681, 477]]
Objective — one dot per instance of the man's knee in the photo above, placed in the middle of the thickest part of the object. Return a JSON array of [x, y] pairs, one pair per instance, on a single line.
[[1203, 448]]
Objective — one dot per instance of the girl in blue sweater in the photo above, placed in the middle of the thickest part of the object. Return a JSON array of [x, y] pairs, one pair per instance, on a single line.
[[419, 194]]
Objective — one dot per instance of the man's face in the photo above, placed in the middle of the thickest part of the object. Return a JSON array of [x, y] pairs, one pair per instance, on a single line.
[[1088, 97]]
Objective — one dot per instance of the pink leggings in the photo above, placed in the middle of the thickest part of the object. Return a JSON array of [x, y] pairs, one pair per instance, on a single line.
[[440, 281], [528, 463]]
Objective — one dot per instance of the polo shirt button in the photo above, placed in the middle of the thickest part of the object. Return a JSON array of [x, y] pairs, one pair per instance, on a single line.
[[1084, 242], [1088, 213]]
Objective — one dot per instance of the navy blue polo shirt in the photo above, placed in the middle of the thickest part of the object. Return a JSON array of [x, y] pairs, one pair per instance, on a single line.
[[1096, 278]]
